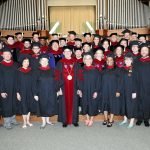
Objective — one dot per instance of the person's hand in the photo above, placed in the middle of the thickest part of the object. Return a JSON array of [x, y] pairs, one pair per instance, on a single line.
[[36, 98], [4, 95], [79, 92], [133, 95], [117, 94], [60, 92], [94, 95], [18, 97]]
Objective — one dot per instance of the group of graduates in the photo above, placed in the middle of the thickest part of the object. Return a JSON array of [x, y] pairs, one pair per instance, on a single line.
[[108, 75]]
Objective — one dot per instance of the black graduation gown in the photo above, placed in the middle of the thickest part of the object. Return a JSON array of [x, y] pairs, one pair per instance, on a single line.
[[90, 83], [25, 89], [35, 62], [8, 76], [46, 90], [143, 70], [129, 86], [111, 83], [68, 102]]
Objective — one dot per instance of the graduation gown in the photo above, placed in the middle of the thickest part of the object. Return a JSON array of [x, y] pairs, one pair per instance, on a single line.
[[54, 57], [143, 70], [111, 83], [8, 74], [46, 90], [35, 61], [130, 81], [68, 102], [25, 89], [88, 84]]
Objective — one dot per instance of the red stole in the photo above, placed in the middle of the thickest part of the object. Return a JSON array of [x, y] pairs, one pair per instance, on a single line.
[[26, 51], [25, 70], [58, 52], [44, 49], [99, 64], [119, 61], [68, 69], [147, 59], [7, 64], [71, 43]]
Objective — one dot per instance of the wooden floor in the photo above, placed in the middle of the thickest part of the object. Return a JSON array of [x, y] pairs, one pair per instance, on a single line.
[[54, 118]]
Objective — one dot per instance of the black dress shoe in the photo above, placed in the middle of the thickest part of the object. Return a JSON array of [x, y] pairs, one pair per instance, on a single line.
[[146, 123], [64, 125], [76, 124], [139, 122]]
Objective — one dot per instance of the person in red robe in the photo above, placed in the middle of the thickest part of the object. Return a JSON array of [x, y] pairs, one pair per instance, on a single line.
[[71, 36], [66, 76], [19, 40], [43, 45], [99, 61]]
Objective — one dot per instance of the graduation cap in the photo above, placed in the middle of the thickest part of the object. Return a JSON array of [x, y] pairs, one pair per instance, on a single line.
[[126, 31], [144, 45], [88, 33], [112, 55], [76, 49], [86, 43], [134, 43], [78, 39], [68, 48], [6, 49], [100, 48], [134, 33], [44, 56], [129, 55], [62, 38], [35, 33], [8, 36], [96, 36], [54, 41], [23, 57], [35, 44], [72, 32], [123, 39], [26, 40], [55, 34], [17, 33], [88, 54], [113, 34], [142, 35]]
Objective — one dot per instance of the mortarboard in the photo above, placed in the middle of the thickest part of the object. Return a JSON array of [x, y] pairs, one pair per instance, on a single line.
[[53, 41], [78, 39], [62, 38], [86, 43], [85, 34], [113, 34], [72, 32], [8, 36], [126, 31], [27, 40], [35, 44], [35, 33], [17, 33]]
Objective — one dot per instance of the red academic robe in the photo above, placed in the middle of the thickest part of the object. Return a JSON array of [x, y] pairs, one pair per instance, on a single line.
[[68, 103]]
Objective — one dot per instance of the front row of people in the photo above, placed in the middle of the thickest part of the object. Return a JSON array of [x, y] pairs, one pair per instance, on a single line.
[[47, 92]]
